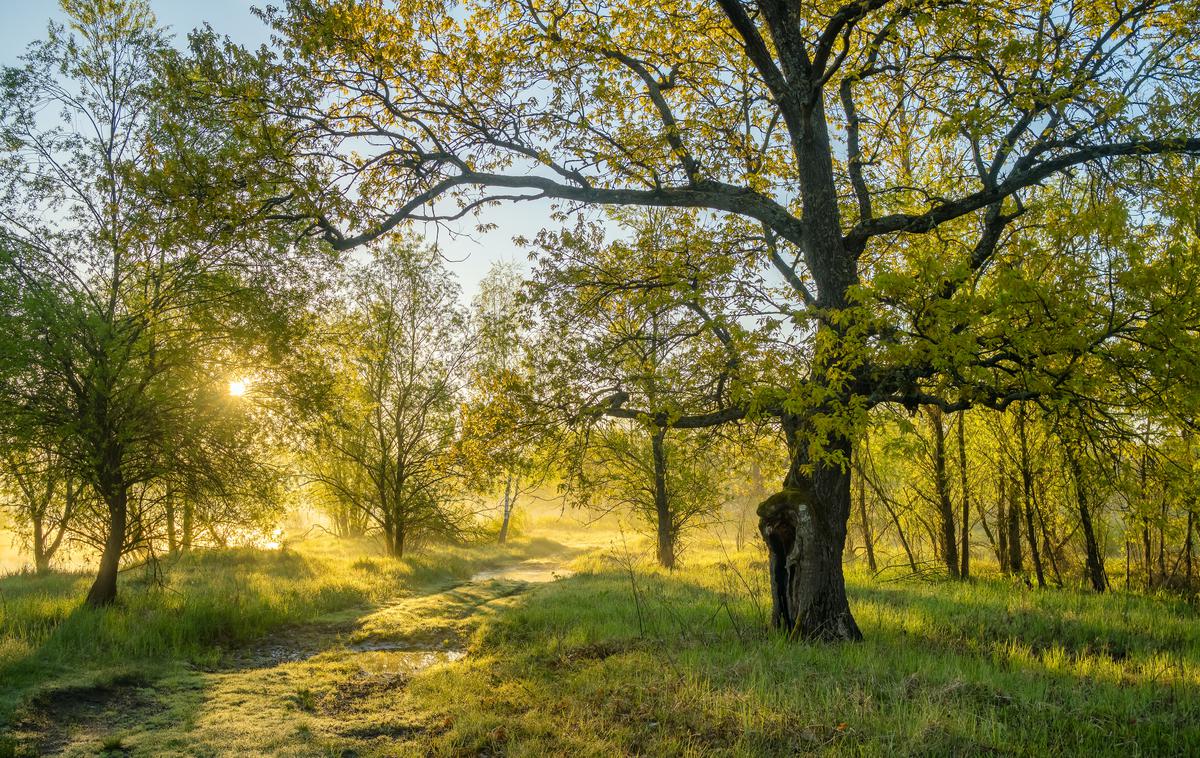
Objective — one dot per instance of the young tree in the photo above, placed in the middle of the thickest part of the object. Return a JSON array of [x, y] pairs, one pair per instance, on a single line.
[[501, 436], [669, 481], [44, 495], [385, 444], [632, 320]]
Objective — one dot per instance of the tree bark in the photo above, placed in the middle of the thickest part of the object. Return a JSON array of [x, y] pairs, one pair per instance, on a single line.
[[104, 589], [804, 527], [965, 570], [662, 505], [1094, 561], [949, 542], [508, 483]]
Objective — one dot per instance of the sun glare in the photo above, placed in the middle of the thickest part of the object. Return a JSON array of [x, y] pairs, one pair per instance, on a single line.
[[237, 387]]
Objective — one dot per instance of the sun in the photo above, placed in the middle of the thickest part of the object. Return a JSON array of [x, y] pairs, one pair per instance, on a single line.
[[237, 387]]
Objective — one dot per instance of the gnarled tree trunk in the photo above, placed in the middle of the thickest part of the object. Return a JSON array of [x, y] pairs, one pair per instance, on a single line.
[[804, 527]]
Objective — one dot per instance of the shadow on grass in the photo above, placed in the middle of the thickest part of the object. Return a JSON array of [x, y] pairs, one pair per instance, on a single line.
[[670, 664]]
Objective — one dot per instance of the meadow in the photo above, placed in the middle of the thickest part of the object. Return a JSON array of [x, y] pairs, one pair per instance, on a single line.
[[615, 656]]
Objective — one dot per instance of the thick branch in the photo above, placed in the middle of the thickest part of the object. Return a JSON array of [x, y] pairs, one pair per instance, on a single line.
[[704, 194], [924, 222]]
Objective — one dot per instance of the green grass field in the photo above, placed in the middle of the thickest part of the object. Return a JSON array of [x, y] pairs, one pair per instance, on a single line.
[[617, 658]]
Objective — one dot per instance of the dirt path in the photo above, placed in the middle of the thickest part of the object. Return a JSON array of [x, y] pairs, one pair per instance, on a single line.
[[334, 688]]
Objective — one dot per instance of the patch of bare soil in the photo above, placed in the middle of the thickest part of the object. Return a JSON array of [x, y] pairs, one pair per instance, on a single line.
[[57, 719]]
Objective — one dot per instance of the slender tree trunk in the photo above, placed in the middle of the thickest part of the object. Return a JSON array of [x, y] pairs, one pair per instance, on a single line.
[[188, 526], [104, 589], [1142, 475], [662, 506], [1094, 561], [949, 543], [1002, 552], [1027, 494], [1031, 534], [904, 543], [864, 521], [1146, 553], [508, 483], [965, 570], [1162, 542], [1016, 558], [41, 560], [1191, 525]]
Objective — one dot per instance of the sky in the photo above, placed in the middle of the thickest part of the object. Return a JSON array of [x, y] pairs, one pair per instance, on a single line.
[[469, 254]]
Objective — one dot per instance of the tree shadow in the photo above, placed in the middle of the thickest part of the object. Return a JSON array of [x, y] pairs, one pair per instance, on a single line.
[[944, 670]]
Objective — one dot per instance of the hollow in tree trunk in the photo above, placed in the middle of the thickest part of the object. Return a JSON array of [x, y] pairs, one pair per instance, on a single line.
[[804, 527]]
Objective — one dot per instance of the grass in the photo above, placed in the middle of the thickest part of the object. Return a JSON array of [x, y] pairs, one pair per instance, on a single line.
[[619, 658], [201, 605], [946, 669]]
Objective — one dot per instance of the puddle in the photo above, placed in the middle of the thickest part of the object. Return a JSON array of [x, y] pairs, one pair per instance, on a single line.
[[532, 571], [383, 658], [382, 646]]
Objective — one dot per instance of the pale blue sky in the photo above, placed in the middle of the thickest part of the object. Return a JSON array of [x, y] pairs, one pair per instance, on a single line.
[[22, 21]]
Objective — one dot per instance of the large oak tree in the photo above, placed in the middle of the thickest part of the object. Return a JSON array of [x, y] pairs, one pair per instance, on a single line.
[[850, 136]]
